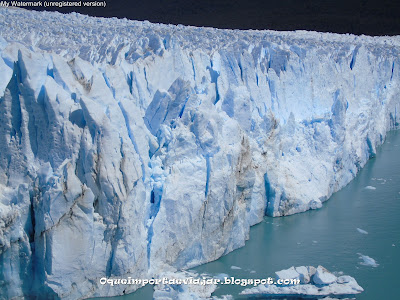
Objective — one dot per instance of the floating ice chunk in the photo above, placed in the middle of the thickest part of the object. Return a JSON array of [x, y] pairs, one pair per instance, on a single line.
[[290, 273], [368, 261], [323, 276], [252, 272], [304, 274], [342, 286], [235, 268], [311, 270], [369, 187], [362, 231]]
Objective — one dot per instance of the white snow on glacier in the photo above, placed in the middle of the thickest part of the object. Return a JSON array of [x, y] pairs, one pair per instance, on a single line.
[[130, 149]]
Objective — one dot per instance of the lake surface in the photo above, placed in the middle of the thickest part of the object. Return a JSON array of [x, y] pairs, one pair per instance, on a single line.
[[329, 236]]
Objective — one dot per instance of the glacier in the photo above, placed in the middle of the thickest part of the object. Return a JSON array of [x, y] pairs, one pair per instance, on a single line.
[[130, 149]]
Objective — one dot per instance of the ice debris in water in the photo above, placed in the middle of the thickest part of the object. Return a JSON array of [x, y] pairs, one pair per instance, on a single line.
[[367, 261], [362, 231], [369, 187], [181, 289], [314, 282]]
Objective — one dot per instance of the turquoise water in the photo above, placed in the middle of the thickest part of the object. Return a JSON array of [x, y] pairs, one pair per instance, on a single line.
[[329, 236]]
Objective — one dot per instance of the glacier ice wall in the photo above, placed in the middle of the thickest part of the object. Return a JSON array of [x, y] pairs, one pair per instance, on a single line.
[[129, 148]]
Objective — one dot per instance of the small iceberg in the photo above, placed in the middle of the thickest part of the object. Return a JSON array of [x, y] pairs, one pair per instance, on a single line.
[[370, 187], [367, 261], [315, 283], [362, 231], [235, 268]]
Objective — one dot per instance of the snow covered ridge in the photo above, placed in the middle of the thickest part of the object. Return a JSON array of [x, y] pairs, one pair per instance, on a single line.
[[130, 149]]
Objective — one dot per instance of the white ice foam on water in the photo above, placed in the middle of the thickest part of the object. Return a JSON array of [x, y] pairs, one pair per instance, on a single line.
[[128, 149]]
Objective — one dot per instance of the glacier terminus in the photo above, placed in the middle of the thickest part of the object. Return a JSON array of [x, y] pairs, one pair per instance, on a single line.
[[132, 149]]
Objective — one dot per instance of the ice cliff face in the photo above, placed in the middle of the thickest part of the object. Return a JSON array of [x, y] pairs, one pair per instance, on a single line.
[[129, 148]]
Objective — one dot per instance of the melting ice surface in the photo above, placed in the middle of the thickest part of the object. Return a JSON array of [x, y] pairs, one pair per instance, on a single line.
[[130, 149]]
